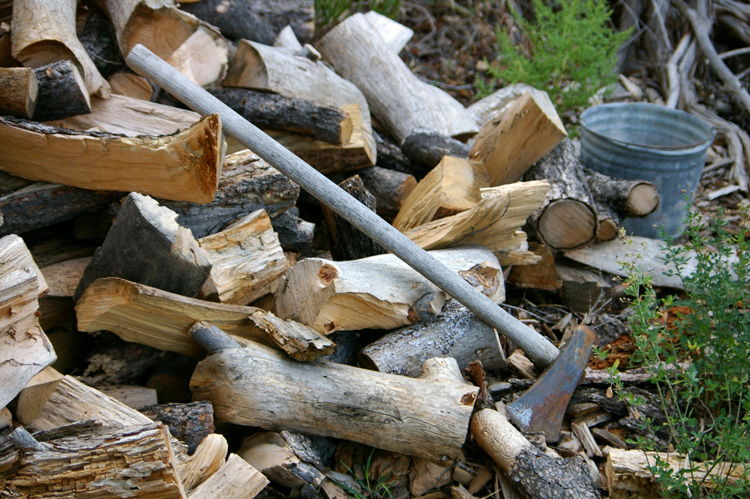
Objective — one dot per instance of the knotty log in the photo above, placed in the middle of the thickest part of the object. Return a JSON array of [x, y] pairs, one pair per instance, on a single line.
[[146, 245], [161, 320], [99, 461], [531, 471], [247, 260], [246, 184], [567, 218], [261, 67], [183, 166], [456, 332], [348, 242], [378, 292], [24, 348], [194, 48], [629, 198], [62, 92], [429, 148], [277, 112], [235, 18], [268, 453], [399, 100], [518, 137], [35, 394], [236, 479], [41, 204], [45, 32], [426, 417], [18, 92], [450, 188]]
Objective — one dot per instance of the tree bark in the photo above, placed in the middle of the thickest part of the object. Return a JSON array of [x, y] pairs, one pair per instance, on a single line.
[[235, 18], [429, 148], [62, 92]]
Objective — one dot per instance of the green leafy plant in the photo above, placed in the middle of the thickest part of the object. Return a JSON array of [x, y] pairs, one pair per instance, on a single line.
[[329, 11], [696, 347], [368, 490], [570, 54]]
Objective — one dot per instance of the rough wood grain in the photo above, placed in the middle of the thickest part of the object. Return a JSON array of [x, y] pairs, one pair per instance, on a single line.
[[236, 479], [208, 457], [35, 394], [131, 85], [62, 92], [18, 92]]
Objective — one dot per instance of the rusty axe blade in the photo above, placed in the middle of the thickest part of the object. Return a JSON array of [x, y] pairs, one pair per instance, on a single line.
[[542, 407]]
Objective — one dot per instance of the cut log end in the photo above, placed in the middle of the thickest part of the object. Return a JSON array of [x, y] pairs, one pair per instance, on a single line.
[[557, 230], [643, 200]]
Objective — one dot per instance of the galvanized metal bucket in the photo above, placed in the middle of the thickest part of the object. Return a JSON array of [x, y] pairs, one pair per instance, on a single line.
[[648, 142]]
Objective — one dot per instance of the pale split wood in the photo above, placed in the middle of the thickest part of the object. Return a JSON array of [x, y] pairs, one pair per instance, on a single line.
[[44, 31], [35, 394], [236, 479], [183, 166], [208, 458], [131, 85], [269, 453], [18, 92], [395, 34], [494, 104]]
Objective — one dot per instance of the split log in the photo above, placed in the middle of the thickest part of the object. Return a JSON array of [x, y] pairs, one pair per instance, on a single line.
[[131, 85], [496, 103], [429, 148], [261, 67], [628, 472], [294, 234], [389, 188], [450, 188], [99, 461], [268, 453], [189, 423], [348, 242], [278, 112], [236, 479], [246, 184], [146, 245], [629, 198], [426, 417], [379, 292], [531, 471], [45, 32], [136, 397], [62, 92], [542, 275], [456, 332], [183, 166], [24, 348], [18, 92], [41, 204], [582, 289], [204, 462], [35, 394], [400, 101], [194, 48], [235, 19], [161, 320], [395, 34], [247, 260], [288, 40], [297, 340], [567, 218], [518, 137]]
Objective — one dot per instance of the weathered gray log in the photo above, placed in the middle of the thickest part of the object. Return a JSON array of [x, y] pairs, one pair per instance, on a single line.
[[457, 332], [146, 245], [62, 92], [234, 18], [536, 346], [278, 112], [629, 198], [429, 148]]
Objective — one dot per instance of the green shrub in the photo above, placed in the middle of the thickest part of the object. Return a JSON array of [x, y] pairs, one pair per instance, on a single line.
[[706, 331], [328, 11], [572, 52]]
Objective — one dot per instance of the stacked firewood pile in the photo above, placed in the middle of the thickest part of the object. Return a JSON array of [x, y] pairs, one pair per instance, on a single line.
[[180, 319]]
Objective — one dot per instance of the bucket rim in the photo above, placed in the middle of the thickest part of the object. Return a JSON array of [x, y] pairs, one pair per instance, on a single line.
[[649, 147]]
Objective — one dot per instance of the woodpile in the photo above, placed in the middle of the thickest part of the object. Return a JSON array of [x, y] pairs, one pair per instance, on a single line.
[[165, 289]]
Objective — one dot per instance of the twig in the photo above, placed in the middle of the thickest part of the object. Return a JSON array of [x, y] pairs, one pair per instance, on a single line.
[[735, 52], [672, 74]]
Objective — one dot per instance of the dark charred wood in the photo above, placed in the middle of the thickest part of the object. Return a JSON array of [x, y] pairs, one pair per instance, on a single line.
[[295, 234], [428, 148], [234, 18], [62, 92]]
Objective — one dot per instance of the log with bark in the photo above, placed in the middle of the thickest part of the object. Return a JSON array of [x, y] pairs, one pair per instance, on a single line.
[[390, 188], [379, 292], [427, 416], [18, 92], [235, 18], [183, 166], [62, 92], [429, 148]]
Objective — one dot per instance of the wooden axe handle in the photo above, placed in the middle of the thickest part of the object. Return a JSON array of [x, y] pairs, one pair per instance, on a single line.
[[148, 64]]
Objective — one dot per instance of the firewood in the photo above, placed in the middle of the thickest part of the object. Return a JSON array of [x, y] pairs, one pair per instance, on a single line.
[[41, 204], [582, 289], [194, 48], [456, 332], [131, 85], [429, 148], [247, 260], [426, 417], [45, 32], [6, 418], [399, 100], [261, 67], [628, 472], [18, 92], [567, 218], [146, 245], [531, 471], [159, 166], [24, 348], [297, 340], [189, 423], [235, 18], [542, 275], [391, 157], [294, 233], [277, 112], [495, 104], [288, 40], [383, 290], [62, 92], [348, 242], [6, 59], [427, 475], [450, 188], [300, 14], [161, 320], [208, 457], [395, 34], [268, 453], [629, 198], [137, 397], [389, 188], [35, 394], [518, 137], [236, 479], [99, 460]]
